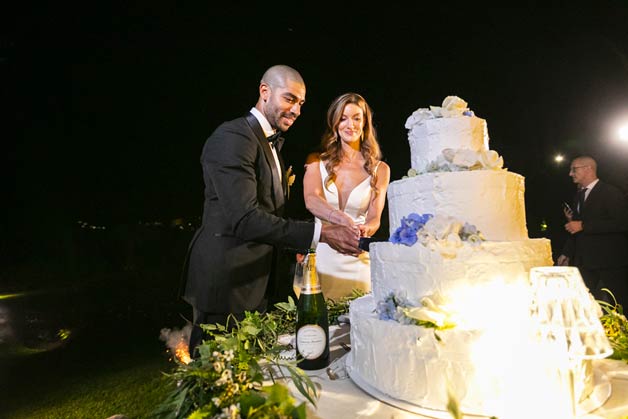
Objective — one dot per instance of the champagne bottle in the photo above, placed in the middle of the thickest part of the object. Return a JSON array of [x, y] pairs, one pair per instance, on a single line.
[[312, 321]]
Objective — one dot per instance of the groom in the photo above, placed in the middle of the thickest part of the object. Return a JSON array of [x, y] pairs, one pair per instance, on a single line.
[[232, 255]]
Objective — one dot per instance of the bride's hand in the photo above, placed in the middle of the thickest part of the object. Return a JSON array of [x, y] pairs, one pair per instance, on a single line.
[[339, 217]]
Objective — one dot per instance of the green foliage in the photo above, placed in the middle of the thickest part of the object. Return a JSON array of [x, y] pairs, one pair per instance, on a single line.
[[228, 378], [337, 308], [616, 328]]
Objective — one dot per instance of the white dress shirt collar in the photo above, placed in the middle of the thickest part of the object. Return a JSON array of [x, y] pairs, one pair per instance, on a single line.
[[589, 187], [268, 130]]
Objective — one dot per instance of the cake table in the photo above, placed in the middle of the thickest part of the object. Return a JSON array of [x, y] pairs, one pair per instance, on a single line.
[[343, 398]]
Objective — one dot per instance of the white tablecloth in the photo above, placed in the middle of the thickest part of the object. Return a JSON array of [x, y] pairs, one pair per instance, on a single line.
[[343, 399]]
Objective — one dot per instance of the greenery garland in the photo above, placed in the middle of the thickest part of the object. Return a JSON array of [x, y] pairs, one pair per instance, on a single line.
[[238, 371], [616, 328]]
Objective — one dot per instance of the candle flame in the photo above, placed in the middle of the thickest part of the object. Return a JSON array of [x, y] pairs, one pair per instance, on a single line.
[[182, 353]]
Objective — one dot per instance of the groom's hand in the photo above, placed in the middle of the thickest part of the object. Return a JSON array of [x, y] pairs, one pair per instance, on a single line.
[[342, 238]]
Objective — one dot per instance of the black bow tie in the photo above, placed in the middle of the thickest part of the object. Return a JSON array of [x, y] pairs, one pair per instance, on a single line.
[[275, 140]]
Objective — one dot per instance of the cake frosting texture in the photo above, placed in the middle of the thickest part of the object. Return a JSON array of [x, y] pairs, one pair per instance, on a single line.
[[443, 271], [418, 271], [428, 139], [492, 200]]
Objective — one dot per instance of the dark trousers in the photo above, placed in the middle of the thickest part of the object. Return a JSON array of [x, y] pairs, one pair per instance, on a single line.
[[202, 317], [198, 335], [615, 279]]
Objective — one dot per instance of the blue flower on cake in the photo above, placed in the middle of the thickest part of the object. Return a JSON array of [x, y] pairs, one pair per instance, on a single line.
[[410, 226], [430, 313], [440, 233]]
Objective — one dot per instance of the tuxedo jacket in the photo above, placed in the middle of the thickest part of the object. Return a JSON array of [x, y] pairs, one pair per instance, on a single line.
[[230, 257], [604, 241]]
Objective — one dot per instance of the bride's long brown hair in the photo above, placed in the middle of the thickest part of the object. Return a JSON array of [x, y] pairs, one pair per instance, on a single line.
[[331, 143]]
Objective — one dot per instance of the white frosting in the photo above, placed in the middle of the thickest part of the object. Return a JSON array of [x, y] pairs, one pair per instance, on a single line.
[[410, 364], [430, 137], [407, 362], [491, 200], [485, 285], [419, 271]]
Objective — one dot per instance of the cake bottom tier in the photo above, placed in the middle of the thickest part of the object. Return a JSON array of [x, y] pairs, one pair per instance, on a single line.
[[429, 368]]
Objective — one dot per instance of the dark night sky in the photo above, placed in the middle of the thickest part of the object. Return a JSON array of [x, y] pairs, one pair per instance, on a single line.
[[112, 104]]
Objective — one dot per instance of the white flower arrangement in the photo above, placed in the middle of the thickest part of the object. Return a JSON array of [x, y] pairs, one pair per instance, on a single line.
[[447, 235], [463, 159], [440, 233], [452, 107], [430, 313]]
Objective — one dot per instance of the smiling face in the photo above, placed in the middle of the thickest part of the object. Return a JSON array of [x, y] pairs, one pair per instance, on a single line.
[[282, 104], [351, 123]]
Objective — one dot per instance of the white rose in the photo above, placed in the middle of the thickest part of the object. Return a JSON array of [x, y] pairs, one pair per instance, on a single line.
[[491, 160], [448, 154], [418, 116], [433, 226], [465, 158], [453, 106], [455, 226], [437, 111], [424, 314], [440, 226], [448, 248]]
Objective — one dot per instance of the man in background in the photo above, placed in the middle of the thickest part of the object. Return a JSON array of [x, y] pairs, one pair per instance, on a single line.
[[598, 228]]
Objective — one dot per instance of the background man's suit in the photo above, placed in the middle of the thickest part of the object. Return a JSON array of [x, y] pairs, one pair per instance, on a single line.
[[600, 251], [231, 256]]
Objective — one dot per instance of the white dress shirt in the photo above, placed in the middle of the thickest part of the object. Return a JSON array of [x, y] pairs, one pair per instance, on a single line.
[[268, 131]]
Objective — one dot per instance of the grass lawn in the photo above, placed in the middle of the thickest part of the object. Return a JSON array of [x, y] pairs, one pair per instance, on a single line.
[[132, 390]]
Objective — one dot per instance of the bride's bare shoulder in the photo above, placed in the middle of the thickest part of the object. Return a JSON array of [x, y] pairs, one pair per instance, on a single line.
[[313, 157]]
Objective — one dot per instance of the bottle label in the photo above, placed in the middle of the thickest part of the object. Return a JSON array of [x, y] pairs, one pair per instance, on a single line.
[[311, 341]]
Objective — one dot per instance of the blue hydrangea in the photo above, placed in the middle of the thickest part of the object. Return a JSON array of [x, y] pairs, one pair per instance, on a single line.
[[386, 309], [407, 233], [391, 308]]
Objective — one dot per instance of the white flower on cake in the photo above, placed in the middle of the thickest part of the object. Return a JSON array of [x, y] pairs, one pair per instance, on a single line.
[[464, 159], [419, 116], [491, 160], [452, 107], [461, 158], [430, 313], [440, 233]]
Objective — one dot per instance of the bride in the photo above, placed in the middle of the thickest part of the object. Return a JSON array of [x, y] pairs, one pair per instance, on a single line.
[[346, 184]]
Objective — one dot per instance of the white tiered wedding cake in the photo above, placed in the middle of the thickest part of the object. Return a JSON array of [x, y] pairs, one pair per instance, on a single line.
[[459, 245]]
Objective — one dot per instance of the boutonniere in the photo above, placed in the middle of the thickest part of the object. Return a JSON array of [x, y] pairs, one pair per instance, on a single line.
[[290, 176]]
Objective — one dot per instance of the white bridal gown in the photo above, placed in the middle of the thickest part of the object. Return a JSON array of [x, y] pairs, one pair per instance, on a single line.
[[340, 274]]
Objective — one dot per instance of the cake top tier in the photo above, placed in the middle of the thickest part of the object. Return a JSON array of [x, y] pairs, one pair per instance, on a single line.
[[453, 107], [449, 138]]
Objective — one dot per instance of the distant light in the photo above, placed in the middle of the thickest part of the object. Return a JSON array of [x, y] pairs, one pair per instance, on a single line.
[[559, 158], [623, 133]]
